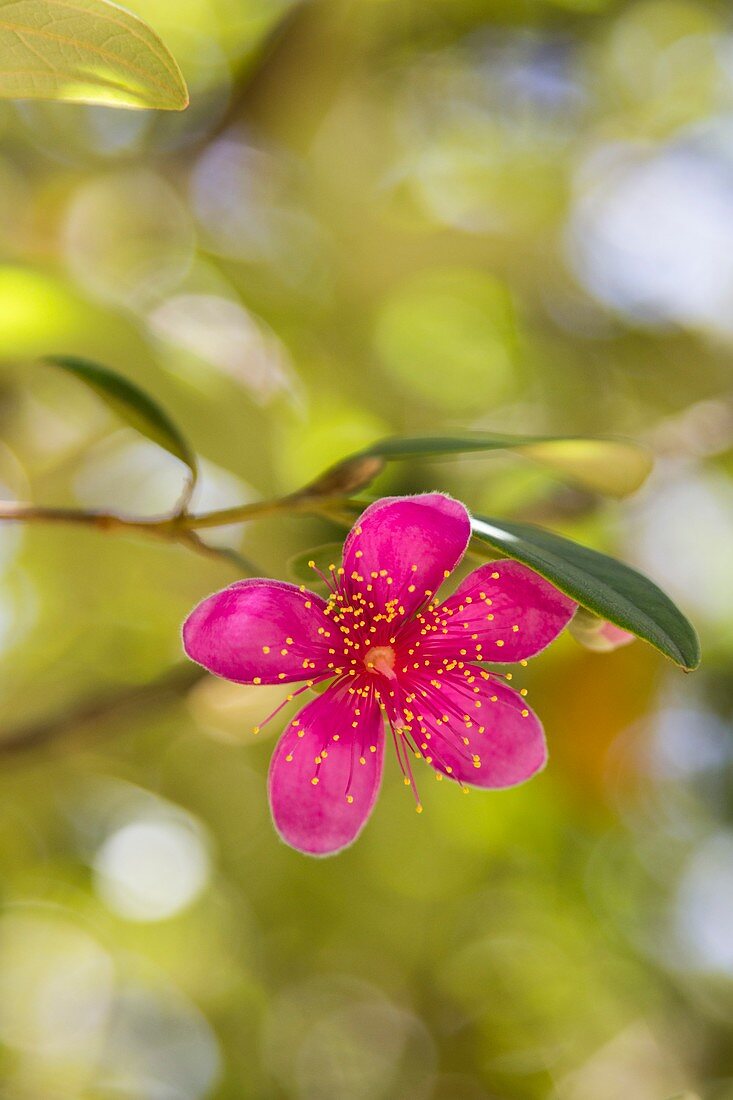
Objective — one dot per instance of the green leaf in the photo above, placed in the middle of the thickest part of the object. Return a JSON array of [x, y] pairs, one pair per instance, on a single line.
[[85, 51], [132, 405], [322, 557], [612, 466], [601, 584]]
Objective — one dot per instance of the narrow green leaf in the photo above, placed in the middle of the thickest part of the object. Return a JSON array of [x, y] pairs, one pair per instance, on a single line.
[[322, 557], [132, 405], [85, 51], [614, 467], [422, 446], [607, 587]]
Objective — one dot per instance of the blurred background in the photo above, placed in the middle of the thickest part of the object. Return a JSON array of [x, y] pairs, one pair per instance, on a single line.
[[377, 216]]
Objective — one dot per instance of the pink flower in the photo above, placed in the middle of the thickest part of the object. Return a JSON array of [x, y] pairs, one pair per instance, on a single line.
[[391, 650]]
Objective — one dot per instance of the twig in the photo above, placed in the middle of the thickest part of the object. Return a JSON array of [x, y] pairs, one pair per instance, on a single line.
[[179, 527]]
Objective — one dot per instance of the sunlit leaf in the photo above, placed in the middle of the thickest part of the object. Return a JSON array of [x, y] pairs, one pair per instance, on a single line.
[[610, 466], [609, 588], [88, 51], [132, 405]]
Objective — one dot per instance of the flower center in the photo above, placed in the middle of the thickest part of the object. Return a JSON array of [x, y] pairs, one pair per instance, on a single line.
[[381, 658]]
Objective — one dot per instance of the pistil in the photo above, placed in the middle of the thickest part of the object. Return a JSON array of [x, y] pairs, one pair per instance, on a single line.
[[381, 658]]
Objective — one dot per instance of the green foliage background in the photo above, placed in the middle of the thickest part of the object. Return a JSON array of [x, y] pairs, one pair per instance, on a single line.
[[377, 216]]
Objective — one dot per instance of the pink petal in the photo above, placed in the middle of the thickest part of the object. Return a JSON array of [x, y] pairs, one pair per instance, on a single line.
[[505, 740], [260, 631], [343, 749], [503, 611], [403, 547], [598, 634], [615, 636]]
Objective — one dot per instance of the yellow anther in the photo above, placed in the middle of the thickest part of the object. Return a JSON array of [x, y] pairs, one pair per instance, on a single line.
[[314, 780]]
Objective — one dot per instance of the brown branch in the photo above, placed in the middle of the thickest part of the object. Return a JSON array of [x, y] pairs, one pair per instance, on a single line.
[[104, 521], [178, 528]]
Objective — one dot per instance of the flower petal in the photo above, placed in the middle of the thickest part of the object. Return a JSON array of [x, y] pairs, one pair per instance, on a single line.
[[480, 732], [261, 632], [598, 634], [338, 740], [503, 611], [402, 548]]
